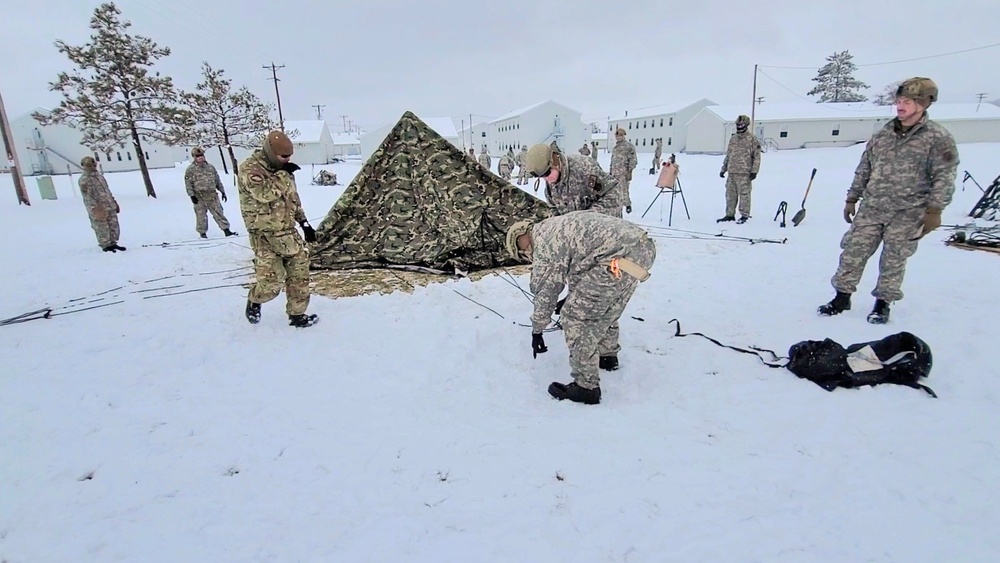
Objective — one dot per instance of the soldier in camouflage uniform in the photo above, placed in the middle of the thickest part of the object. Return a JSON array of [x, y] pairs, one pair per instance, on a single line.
[[905, 179], [270, 205], [102, 208], [484, 158], [623, 162], [522, 173], [742, 163], [585, 150], [601, 259], [506, 165], [657, 154], [593, 151], [201, 180], [573, 182]]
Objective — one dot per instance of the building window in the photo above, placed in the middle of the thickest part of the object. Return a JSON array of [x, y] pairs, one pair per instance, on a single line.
[[629, 124], [97, 157], [784, 132], [119, 154], [107, 155], [147, 154], [644, 142], [129, 155], [670, 141], [836, 130], [484, 134], [661, 122], [671, 124], [644, 124]]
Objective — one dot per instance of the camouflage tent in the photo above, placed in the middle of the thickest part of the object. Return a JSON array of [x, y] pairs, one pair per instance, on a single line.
[[420, 201]]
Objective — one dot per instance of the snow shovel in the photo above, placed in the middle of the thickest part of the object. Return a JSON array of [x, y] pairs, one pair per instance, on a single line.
[[801, 213]]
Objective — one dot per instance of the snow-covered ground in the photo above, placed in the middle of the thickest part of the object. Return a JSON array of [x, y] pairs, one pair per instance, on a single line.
[[417, 427]]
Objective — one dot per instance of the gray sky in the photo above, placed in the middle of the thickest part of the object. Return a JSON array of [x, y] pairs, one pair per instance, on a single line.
[[374, 59]]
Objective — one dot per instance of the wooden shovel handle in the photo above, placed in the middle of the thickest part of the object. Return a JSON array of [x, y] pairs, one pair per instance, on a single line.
[[813, 175]]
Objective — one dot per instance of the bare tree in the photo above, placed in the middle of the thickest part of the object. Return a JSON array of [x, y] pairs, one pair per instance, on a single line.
[[888, 96], [113, 96]]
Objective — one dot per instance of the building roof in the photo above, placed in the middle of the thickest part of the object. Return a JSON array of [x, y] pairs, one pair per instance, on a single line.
[[599, 136], [345, 139], [444, 126], [310, 130], [802, 111], [524, 110], [658, 110]]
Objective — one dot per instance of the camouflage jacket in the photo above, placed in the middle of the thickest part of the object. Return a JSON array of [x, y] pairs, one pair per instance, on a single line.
[[506, 162], [202, 179], [585, 150], [269, 201], [582, 185], [575, 250], [97, 197], [519, 157], [905, 170], [659, 150], [484, 160], [623, 160], [742, 155]]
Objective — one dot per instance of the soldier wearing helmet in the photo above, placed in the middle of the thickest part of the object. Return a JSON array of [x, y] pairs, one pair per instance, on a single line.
[[742, 163], [203, 185], [101, 205], [904, 181], [623, 162], [522, 172], [573, 182]]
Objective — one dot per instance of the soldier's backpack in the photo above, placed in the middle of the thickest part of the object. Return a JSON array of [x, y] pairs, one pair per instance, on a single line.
[[901, 359]]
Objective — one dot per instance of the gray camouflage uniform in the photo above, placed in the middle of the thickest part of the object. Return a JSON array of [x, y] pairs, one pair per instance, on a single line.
[[593, 151], [742, 159], [585, 150], [575, 250], [522, 174], [657, 155], [484, 160], [583, 185], [201, 180], [102, 208], [623, 162], [901, 174], [505, 166]]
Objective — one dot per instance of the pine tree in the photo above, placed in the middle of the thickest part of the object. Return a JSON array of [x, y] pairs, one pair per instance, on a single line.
[[225, 118], [112, 96], [888, 96], [835, 82]]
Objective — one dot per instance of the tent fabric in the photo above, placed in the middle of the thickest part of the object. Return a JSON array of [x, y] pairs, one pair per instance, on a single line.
[[421, 201]]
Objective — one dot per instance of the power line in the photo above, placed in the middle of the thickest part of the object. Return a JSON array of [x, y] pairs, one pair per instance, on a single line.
[[796, 94], [894, 62]]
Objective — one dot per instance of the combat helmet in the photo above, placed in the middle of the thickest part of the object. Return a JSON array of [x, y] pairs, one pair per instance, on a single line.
[[919, 89], [538, 160], [517, 229], [742, 122]]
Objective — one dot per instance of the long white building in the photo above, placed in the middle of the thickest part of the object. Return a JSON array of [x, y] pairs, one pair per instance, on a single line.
[[540, 123], [444, 126], [667, 122]]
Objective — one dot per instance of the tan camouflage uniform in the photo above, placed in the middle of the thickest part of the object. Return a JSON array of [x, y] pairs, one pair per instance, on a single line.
[[271, 207], [522, 174], [623, 162], [505, 166], [593, 152], [657, 154], [742, 159], [900, 176], [583, 185], [584, 150], [484, 160], [575, 250], [102, 208], [202, 182]]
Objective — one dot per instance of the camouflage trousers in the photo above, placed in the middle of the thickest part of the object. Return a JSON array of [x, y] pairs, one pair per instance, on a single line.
[[208, 202], [281, 259], [738, 188], [105, 226], [504, 172], [871, 227], [522, 175], [623, 182], [590, 315], [656, 164]]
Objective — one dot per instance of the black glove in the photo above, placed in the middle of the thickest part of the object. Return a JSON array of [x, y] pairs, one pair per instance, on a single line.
[[722, 174], [559, 305], [537, 344], [224, 196], [194, 200], [308, 232], [628, 209], [753, 176]]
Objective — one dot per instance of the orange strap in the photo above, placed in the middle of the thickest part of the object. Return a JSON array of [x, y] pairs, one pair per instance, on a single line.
[[615, 270]]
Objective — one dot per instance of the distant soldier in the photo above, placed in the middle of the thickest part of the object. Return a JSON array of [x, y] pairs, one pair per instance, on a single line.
[[484, 158], [904, 181], [657, 155], [623, 162], [593, 151], [506, 165], [201, 180], [522, 174], [574, 182], [102, 208], [472, 153], [742, 162], [584, 150], [271, 207], [601, 259], [325, 178]]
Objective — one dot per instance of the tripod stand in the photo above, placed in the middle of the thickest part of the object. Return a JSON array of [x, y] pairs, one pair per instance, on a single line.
[[676, 189]]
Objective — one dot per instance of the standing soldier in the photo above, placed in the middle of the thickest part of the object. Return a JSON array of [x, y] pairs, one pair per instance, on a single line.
[[742, 162], [906, 177], [574, 182], [201, 180], [593, 150], [623, 162], [657, 155], [584, 150], [102, 208], [602, 260], [522, 174], [506, 165], [270, 205], [484, 158]]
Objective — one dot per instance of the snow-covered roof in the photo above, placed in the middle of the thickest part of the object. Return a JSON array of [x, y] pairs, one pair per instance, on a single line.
[[801, 111], [599, 136], [345, 139], [444, 126], [950, 112], [662, 109], [524, 110], [310, 130]]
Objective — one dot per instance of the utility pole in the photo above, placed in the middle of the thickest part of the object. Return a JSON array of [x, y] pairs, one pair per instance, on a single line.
[[760, 99], [319, 111], [344, 119], [980, 95], [15, 171], [753, 106], [274, 76]]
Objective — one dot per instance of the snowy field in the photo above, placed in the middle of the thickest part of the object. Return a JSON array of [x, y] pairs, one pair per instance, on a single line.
[[164, 427]]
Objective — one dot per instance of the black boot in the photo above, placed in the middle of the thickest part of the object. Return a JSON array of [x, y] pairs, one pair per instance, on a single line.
[[229, 233], [726, 218], [119, 247], [575, 393], [253, 312], [743, 219], [880, 313], [839, 304], [203, 235], [109, 248], [608, 363], [302, 321]]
